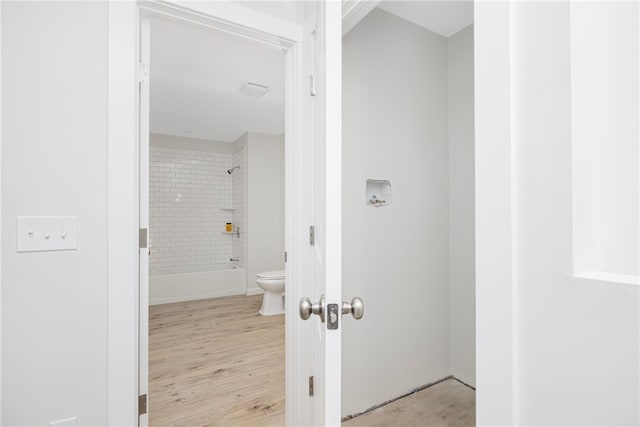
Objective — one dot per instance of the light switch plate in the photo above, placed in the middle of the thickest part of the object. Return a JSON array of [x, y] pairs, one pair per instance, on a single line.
[[46, 233]]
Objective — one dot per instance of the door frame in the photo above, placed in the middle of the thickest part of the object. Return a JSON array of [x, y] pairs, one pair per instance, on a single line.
[[496, 237], [496, 214], [123, 191]]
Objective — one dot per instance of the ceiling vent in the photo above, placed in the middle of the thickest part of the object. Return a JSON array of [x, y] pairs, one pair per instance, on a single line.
[[254, 90]]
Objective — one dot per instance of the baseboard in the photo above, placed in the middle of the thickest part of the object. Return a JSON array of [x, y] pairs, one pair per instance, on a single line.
[[254, 291], [380, 405], [185, 298], [468, 381]]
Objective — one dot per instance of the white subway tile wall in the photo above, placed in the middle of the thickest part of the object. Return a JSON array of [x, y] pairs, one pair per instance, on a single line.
[[239, 204], [190, 201]]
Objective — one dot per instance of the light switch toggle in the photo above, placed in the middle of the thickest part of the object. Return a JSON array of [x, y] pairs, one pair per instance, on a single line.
[[46, 233]]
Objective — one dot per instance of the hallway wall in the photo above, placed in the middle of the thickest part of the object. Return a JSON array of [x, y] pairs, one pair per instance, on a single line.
[[578, 339], [54, 162]]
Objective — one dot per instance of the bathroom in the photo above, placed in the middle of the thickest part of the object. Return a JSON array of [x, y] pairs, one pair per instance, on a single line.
[[216, 225], [200, 219]]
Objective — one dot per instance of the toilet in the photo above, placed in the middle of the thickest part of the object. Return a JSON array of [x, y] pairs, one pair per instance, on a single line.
[[272, 282]]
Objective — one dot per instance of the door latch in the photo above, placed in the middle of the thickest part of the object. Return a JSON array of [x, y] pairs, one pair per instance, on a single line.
[[333, 316]]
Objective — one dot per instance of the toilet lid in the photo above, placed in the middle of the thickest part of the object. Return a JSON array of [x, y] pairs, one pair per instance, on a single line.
[[278, 274]]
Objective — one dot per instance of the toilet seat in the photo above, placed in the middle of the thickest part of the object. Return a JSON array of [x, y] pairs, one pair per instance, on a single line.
[[271, 275]]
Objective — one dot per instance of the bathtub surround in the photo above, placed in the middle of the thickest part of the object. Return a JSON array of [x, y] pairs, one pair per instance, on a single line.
[[415, 127], [195, 282], [265, 204], [190, 204]]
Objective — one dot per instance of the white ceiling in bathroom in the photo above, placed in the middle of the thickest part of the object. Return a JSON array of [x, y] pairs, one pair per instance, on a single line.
[[443, 17], [195, 78]]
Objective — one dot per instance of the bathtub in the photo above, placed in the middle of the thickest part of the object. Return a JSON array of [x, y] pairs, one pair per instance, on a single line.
[[196, 282]]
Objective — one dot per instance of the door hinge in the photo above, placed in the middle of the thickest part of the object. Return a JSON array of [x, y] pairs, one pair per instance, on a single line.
[[142, 238], [312, 86], [311, 386], [285, 256], [142, 404], [143, 73], [312, 235]]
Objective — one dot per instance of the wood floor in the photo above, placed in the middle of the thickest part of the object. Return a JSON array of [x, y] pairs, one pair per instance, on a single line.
[[217, 362]]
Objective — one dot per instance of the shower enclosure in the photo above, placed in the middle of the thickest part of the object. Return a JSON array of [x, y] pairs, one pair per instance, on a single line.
[[195, 190]]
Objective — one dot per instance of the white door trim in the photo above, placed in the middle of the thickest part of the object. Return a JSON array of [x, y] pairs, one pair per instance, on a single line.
[[0, 213], [122, 216], [496, 284], [123, 165]]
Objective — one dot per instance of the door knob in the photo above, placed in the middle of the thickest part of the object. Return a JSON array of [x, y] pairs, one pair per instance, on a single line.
[[306, 308], [355, 307]]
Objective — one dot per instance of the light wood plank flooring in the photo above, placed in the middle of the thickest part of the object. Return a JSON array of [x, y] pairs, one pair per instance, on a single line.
[[217, 362]]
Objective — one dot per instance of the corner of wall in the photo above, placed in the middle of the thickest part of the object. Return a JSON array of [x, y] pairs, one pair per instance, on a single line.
[[460, 116]]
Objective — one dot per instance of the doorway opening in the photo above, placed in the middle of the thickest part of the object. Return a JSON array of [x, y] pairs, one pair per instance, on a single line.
[[216, 218], [408, 109]]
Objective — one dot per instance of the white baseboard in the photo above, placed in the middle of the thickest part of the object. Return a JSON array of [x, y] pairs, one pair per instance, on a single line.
[[254, 291]]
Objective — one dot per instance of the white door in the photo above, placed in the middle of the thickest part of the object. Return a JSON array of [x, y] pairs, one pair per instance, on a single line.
[[143, 297], [323, 59]]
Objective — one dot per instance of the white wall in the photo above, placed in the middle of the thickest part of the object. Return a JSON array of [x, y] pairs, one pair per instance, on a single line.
[[578, 339], [54, 143], [265, 204], [395, 258], [604, 78], [462, 205]]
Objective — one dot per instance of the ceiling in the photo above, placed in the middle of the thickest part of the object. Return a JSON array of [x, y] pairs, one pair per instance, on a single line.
[[196, 73], [195, 78], [443, 17]]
